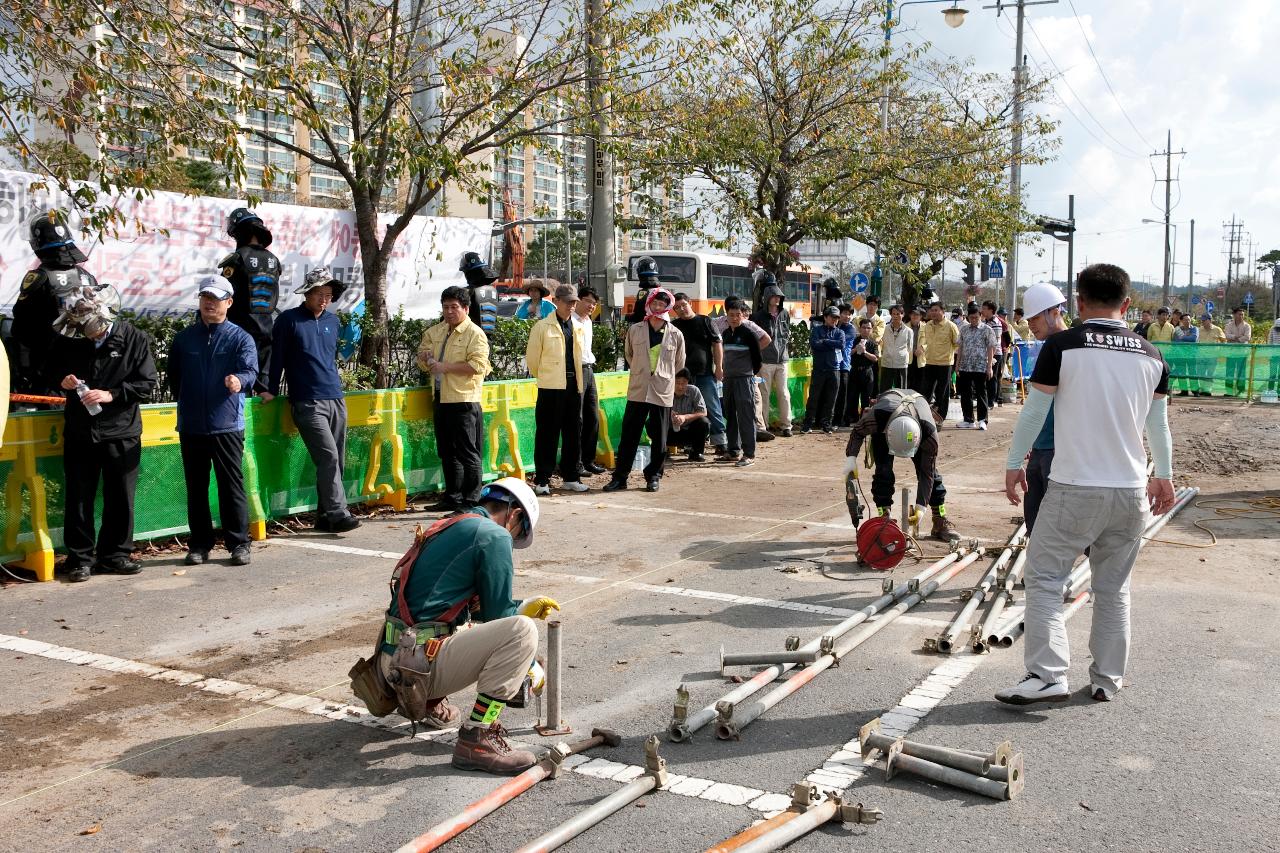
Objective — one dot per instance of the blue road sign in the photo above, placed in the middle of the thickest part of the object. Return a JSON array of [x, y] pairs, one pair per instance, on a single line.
[[1195, 300], [1248, 299], [859, 283], [1208, 305], [902, 258], [997, 268]]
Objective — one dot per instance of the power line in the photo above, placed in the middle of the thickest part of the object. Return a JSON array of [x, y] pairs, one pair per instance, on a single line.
[[1129, 152], [1105, 79]]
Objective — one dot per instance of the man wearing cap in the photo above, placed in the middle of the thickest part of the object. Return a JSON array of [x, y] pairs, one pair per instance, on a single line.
[[480, 277], [1045, 303], [554, 356], [901, 423], [537, 306], [1161, 331], [304, 348], [655, 351], [102, 438], [1238, 331], [254, 274], [459, 574], [455, 355], [826, 341], [212, 364]]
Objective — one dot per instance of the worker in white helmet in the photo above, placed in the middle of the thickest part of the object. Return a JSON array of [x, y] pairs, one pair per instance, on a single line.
[[458, 572], [1042, 305]]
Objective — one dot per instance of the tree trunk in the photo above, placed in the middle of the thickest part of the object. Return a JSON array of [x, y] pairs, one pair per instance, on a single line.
[[375, 345]]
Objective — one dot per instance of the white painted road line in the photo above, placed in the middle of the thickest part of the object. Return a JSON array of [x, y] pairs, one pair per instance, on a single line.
[[598, 768], [694, 514], [660, 589]]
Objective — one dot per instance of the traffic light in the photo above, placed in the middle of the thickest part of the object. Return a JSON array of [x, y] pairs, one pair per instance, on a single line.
[[986, 267], [969, 273]]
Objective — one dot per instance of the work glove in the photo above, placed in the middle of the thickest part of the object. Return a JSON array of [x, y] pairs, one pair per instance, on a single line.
[[537, 607], [537, 678], [851, 466]]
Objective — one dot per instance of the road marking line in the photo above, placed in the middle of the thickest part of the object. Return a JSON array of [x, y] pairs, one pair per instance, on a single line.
[[695, 514], [598, 768], [725, 597]]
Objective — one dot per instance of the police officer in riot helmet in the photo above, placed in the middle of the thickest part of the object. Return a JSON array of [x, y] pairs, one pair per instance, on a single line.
[[254, 274], [831, 294], [646, 270], [484, 296], [40, 298]]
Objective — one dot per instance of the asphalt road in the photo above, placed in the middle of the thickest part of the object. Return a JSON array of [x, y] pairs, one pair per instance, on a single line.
[[652, 587]]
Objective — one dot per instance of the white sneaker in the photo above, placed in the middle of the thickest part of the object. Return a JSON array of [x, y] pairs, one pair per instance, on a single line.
[[541, 490], [1031, 689], [982, 425], [967, 425], [575, 486]]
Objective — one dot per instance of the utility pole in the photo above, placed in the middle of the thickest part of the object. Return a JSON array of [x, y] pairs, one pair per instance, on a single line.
[[600, 232], [1234, 230], [1167, 154], [1015, 167], [1071, 251]]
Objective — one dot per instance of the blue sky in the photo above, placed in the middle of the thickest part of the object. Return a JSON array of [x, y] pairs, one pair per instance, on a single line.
[[1203, 69]]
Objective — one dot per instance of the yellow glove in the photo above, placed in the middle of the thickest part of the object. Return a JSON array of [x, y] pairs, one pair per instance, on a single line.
[[537, 678], [537, 607]]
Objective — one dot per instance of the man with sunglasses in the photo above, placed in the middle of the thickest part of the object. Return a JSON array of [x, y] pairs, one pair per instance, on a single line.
[[453, 623]]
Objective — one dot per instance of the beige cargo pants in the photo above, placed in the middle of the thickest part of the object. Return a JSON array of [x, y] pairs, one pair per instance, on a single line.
[[494, 656]]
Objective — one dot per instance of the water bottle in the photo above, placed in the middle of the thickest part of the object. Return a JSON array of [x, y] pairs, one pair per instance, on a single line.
[[91, 408], [719, 389]]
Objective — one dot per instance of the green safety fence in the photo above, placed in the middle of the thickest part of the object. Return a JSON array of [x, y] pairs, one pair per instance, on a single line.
[[391, 454], [1222, 370]]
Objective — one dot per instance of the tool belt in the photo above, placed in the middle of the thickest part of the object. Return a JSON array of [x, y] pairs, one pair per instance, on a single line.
[[394, 628], [412, 663]]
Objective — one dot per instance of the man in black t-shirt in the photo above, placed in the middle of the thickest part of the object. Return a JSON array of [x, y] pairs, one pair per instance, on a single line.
[[704, 359]]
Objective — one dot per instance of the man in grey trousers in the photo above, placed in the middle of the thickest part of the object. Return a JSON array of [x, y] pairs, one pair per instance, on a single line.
[[304, 348], [1107, 386]]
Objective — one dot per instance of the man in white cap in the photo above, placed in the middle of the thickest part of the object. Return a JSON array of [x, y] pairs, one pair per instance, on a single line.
[[1043, 304], [304, 350], [212, 365], [1108, 387], [460, 574]]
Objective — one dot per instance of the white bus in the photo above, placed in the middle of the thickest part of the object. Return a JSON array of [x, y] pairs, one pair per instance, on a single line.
[[709, 278]]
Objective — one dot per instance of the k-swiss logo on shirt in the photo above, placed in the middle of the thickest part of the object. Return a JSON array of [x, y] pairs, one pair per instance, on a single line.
[[1116, 342]]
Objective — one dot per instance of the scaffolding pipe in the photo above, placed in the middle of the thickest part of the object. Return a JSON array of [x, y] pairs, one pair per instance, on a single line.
[[549, 767], [1008, 633], [554, 724], [1079, 574], [983, 637], [751, 833], [655, 777], [732, 719], [799, 656], [896, 761], [978, 766], [683, 724], [946, 641], [810, 816]]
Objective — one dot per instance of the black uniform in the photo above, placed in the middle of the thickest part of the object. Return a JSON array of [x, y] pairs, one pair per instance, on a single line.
[[254, 273], [37, 307], [929, 487], [106, 447]]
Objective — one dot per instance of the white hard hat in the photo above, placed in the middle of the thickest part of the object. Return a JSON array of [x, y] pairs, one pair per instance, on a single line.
[[1040, 297], [902, 434], [513, 489]]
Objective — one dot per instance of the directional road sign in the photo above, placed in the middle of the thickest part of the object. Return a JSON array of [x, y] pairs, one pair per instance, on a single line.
[[1208, 305], [1248, 299], [997, 268], [859, 282], [1196, 300]]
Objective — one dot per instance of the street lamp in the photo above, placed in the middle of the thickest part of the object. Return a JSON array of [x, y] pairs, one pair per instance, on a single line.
[[954, 16]]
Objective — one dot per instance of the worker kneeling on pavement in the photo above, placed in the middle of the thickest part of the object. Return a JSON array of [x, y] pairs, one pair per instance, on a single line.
[[461, 570], [901, 423]]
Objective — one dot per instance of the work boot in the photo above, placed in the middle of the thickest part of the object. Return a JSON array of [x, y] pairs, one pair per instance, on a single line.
[[943, 530], [441, 715], [487, 749]]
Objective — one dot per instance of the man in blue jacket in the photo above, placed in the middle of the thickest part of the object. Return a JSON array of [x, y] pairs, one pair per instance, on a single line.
[[211, 364], [304, 347], [827, 343]]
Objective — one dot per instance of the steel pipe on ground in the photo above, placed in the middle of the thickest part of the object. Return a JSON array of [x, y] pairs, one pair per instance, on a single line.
[[983, 639], [811, 814], [978, 766], [655, 777], [733, 719], [506, 792], [946, 641], [682, 728], [1011, 630], [897, 761], [762, 658], [554, 724], [751, 833]]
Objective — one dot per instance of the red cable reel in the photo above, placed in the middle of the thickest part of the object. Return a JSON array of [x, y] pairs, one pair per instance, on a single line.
[[881, 543]]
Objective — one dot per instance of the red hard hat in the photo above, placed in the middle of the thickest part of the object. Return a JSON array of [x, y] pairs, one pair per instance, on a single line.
[[881, 543]]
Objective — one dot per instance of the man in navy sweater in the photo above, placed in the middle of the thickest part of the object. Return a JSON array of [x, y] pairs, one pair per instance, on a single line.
[[211, 365], [304, 347], [827, 343]]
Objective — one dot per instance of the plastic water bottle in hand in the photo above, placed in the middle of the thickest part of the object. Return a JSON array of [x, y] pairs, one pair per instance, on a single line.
[[91, 408]]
